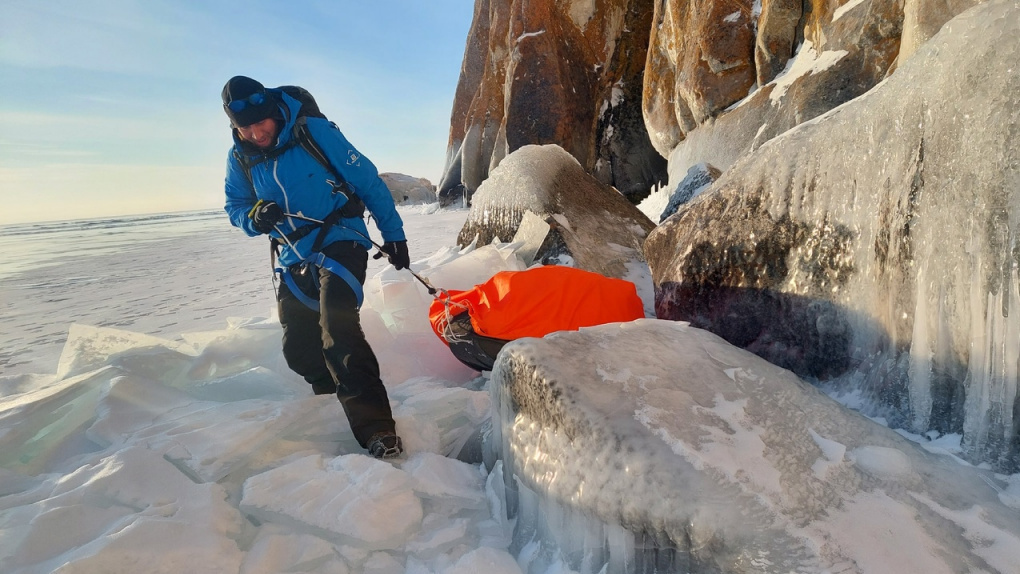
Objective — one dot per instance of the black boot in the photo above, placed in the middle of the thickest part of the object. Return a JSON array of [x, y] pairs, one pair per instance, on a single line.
[[385, 444]]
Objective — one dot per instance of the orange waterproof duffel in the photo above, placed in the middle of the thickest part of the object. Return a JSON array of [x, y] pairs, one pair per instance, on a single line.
[[532, 303]]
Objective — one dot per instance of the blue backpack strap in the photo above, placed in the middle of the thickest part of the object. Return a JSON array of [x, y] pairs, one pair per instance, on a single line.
[[288, 279], [340, 271]]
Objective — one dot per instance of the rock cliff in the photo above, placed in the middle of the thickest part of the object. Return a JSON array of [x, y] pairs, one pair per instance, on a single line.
[[546, 72]]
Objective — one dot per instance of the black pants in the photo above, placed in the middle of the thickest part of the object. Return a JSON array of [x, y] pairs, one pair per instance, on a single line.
[[328, 347]]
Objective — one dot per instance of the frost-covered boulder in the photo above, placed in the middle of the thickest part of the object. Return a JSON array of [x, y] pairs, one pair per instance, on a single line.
[[879, 242], [409, 190], [592, 225], [653, 446]]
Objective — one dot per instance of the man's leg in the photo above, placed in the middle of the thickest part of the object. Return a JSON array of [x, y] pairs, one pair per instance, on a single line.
[[348, 355], [302, 342]]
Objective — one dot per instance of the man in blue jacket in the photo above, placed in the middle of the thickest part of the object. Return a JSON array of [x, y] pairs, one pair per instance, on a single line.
[[276, 187]]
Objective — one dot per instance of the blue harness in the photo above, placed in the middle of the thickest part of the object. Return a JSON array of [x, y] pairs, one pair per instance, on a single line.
[[332, 266]]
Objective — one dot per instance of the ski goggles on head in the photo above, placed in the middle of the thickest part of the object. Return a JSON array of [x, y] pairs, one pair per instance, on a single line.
[[255, 99]]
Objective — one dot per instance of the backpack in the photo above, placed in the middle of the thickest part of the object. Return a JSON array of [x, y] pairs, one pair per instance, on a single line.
[[302, 136]]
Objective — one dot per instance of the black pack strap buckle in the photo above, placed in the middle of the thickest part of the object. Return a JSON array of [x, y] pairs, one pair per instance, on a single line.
[[354, 206]]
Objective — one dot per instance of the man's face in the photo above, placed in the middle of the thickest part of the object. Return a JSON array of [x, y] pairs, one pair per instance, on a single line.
[[262, 134]]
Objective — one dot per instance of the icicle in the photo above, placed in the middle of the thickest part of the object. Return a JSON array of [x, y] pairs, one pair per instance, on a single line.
[[919, 373]]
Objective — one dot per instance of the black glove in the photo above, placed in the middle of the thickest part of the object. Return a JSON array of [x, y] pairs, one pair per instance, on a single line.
[[396, 252], [265, 215]]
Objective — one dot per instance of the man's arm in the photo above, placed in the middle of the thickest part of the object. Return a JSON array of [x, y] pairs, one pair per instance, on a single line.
[[362, 175], [240, 197]]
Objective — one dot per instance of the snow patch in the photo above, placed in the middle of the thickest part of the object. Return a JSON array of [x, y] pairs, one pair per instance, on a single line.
[[807, 61], [846, 8]]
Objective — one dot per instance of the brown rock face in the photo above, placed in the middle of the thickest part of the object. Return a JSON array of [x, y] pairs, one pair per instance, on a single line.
[[700, 61], [625, 157], [864, 35], [547, 72], [777, 37], [477, 114]]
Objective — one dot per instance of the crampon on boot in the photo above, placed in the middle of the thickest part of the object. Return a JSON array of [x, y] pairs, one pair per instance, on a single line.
[[385, 445]]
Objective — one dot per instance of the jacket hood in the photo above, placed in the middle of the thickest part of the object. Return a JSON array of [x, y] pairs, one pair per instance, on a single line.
[[286, 117]]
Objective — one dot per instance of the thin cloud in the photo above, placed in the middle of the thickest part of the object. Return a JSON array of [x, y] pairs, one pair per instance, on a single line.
[[133, 86]]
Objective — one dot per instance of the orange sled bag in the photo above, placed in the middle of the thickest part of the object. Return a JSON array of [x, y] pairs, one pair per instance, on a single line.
[[475, 324]]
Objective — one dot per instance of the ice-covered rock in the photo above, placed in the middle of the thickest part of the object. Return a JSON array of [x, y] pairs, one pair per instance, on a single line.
[[593, 226], [710, 459], [879, 242], [922, 19]]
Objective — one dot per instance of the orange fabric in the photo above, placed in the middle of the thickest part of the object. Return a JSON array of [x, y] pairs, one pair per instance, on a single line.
[[542, 300]]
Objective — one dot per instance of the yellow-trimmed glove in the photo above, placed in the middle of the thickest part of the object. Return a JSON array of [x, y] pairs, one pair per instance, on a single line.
[[265, 215]]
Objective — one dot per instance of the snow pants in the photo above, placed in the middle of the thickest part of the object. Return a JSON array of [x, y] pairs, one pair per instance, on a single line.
[[328, 347]]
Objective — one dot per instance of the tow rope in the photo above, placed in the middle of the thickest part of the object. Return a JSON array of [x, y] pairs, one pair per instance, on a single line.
[[432, 290]]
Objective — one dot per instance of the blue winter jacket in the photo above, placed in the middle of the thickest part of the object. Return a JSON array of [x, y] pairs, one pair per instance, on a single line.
[[297, 182]]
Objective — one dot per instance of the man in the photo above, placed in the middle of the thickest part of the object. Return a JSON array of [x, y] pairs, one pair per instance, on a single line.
[[275, 186]]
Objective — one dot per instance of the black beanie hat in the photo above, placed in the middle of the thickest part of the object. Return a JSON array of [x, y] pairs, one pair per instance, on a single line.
[[240, 88]]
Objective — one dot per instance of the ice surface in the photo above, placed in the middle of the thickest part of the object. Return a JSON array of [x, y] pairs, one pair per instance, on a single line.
[[353, 498], [485, 560], [90, 347], [276, 550], [120, 512], [176, 454], [710, 459], [439, 478], [439, 418], [115, 272]]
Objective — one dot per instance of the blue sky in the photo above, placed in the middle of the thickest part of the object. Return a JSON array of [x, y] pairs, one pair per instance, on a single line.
[[112, 107]]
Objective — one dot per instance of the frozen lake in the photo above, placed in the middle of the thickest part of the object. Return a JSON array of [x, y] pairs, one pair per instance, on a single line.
[[149, 274]]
